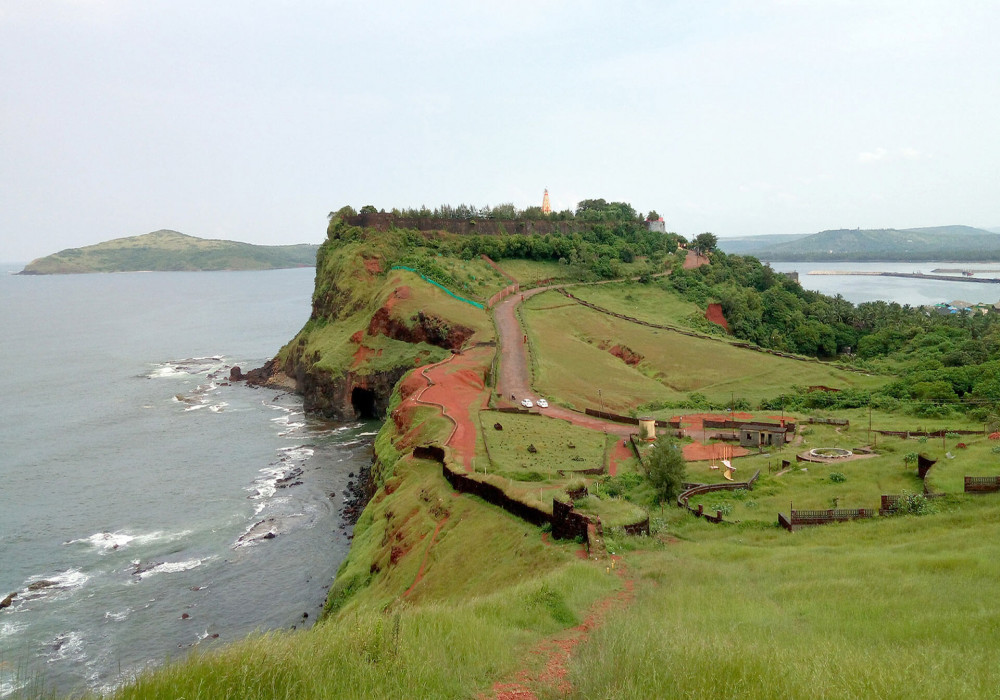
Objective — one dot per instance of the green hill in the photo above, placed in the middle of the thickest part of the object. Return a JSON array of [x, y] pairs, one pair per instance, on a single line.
[[454, 588], [171, 251], [929, 243]]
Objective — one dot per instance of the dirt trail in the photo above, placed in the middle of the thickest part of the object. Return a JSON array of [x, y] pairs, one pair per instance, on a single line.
[[557, 650], [514, 377]]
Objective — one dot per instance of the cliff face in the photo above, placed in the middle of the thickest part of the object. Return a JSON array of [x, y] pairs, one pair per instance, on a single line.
[[369, 326]]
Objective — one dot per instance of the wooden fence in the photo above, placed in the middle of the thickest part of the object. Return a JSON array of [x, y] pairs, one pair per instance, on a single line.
[[829, 421], [982, 484], [698, 489], [803, 518]]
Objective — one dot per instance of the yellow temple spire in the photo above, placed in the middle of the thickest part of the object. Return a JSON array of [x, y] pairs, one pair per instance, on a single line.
[[546, 207]]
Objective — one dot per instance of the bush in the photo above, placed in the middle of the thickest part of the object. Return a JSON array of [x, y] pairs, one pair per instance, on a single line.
[[666, 469], [914, 504], [837, 477]]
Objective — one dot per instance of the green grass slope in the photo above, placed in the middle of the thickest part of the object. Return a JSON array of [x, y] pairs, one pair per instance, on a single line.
[[171, 251], [572, 356]]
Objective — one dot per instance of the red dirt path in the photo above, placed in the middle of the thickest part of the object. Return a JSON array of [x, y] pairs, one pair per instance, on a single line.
[[619, 453], [694, 260], [557, 650], [455, 386]]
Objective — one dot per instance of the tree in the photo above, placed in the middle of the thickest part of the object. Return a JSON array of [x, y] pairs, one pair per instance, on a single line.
[[666, 469], [705, 242], [369, 209], [652, 216]]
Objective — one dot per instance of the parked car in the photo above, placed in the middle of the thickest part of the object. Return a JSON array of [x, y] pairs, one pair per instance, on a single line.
[[542, 403], [526, 403]]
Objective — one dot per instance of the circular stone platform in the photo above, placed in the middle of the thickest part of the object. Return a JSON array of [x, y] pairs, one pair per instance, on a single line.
[[830, 453]]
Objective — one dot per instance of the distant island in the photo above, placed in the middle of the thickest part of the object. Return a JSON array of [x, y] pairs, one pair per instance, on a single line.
[[170, 251], [959, 243]]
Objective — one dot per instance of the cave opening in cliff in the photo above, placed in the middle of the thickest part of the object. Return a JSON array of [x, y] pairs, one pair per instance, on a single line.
[[363, 401]]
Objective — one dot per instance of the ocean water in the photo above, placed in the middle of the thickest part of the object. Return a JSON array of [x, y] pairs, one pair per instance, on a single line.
[[902, 290], [139, 489]]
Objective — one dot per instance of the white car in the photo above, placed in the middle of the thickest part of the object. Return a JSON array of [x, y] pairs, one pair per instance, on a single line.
[[526, 403], [542, 403]]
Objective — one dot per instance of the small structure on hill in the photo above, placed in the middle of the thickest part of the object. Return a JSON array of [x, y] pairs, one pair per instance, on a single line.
[[647, 429], [657, 225], [546, 206], [764, 434]]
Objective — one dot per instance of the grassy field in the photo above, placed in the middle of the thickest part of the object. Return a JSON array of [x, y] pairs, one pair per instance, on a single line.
[[646, 302], [567, 339], [895, 608], [559, 445]]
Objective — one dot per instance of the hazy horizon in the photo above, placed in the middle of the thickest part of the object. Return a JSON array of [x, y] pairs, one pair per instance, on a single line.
[[251, 123]]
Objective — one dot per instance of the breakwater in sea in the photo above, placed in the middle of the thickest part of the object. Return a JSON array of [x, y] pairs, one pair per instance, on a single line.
[[908, 275]]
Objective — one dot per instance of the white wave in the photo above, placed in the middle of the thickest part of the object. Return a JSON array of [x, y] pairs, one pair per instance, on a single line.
[[194, 408], [105, 542], [217, 408], [8, 686], [118, 616], [367, 434], [299, 452], [68, 645], [171, 567], [68, 580], [9, 628], [187, 367]]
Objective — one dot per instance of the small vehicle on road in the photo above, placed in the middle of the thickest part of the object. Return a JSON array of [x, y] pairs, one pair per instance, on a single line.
[[542, 403], [526, 403]]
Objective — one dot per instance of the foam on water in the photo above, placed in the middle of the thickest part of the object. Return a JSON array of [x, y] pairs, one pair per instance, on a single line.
[[105, 542], [65, 646], [66, 581], [118, 616], [10, 628], [170, 567]]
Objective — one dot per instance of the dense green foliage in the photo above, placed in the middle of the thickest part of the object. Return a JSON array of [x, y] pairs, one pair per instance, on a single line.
[[666, 470], [601, 249], [943, 361]]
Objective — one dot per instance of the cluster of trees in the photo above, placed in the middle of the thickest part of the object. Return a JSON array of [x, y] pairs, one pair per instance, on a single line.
[[943, 362], [587, 210], [601, 248]]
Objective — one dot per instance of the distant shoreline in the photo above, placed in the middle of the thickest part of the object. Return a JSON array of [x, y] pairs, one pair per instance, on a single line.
[[909, 275]]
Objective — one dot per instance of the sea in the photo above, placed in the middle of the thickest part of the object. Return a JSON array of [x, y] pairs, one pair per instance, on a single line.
[[148, 505], [902, 290]]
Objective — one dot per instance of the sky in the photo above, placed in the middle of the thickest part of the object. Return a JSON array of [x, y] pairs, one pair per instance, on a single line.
[[252, 121]]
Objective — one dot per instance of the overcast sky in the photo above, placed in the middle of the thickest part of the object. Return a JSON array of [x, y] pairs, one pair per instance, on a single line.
[[251, 121]]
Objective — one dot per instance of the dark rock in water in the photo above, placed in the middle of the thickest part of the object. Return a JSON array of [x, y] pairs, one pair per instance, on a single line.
[[184, 616], [236, 374], [138, 568], [265, 529], [305, 615], [5, 603], [290, 479], [39, 585]]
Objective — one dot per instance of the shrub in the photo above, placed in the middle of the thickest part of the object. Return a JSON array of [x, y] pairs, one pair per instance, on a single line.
[[914, 504], [837, 477], [666, 469]]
